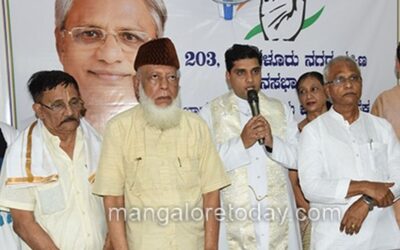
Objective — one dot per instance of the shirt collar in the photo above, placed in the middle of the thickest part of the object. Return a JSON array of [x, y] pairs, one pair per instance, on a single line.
[[243, 105], [338, 117], [54, 140]]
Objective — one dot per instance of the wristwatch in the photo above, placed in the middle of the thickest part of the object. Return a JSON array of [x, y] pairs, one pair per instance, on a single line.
[[370, 202]]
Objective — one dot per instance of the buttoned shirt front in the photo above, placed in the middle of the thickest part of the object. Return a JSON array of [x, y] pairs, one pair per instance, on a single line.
[[66, 209], [333, 152], [161, 172]]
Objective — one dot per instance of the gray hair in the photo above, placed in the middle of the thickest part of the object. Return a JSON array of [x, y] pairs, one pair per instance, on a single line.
[[345, 59], [157, 11]]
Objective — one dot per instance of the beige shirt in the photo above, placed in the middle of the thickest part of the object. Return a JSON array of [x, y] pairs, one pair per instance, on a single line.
[[162, 176], [387, 105], [65, 209]]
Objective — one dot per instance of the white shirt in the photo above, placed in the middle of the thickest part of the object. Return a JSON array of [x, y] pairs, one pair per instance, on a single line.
[[234, 155], [66, 209], [333, 152]]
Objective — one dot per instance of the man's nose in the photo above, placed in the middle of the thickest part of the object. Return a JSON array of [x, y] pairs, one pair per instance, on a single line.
[[110, 51], [348, 83], [68, 110], [164, 84], [249, 77]]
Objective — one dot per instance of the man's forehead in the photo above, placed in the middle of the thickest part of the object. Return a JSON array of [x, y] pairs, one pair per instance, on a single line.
[[158, 68], [247, 63], [342, 68], [61, 91], [114, 14]]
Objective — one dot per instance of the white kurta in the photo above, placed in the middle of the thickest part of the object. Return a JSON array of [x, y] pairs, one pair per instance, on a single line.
[[234, 155], [333, 152]]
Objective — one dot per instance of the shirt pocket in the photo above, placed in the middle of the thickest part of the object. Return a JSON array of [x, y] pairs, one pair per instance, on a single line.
[[379, 159], [375, 162], [51, 198], [188, 172]]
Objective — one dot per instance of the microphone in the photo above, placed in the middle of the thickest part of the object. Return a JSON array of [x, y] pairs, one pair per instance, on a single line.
[[252, 98]]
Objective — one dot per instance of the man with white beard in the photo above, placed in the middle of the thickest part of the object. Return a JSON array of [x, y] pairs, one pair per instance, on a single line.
[[159, 169]]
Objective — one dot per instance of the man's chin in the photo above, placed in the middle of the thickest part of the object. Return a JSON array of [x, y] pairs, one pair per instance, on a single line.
[[162, 118]]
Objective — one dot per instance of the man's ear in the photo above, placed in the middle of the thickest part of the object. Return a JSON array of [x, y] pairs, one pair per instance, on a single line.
[[228, 79], [60, 43], [38, 110], [227, 75]]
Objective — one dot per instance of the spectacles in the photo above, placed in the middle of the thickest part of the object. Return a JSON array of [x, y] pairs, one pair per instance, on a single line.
[[341, 80], [92, 37], [59, 106]]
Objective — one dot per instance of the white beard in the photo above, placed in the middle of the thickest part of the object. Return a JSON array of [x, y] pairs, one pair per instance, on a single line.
[[162, 118]]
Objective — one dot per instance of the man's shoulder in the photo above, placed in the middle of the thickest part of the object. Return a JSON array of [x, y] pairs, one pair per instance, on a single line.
[[381, 125], [219, 98], [270, 99], [321, 122], [125, 116], [375, 119], [125, 120], [192, 118], [392, 93]]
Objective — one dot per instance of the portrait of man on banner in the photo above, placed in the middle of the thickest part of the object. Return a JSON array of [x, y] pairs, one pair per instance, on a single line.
[[97, 43]]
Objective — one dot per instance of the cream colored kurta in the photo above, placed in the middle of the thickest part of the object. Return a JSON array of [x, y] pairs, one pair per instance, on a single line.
[[161, 171], [65, 209], [387, 105]]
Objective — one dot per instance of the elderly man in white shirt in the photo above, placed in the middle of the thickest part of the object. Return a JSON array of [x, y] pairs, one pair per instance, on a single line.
[[47, 176], [349, 162]]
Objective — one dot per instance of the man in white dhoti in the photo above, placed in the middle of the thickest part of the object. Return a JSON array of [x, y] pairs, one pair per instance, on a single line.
[[47, 172], [259, 173], [350, 161]]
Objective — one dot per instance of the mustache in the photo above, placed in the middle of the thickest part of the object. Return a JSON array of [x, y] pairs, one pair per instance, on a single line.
[[70, 119]]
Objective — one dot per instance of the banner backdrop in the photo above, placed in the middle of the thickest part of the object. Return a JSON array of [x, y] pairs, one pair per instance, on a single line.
[[5, 70], [311, 33]]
